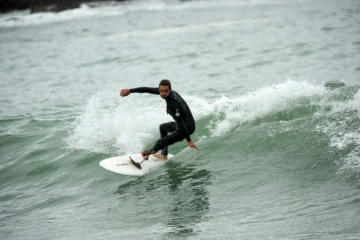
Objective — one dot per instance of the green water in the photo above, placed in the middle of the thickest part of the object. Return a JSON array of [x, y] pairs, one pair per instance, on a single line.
[[280, 152]]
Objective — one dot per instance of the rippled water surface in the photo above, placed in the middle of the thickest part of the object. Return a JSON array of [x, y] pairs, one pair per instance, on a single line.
[[280, 152]]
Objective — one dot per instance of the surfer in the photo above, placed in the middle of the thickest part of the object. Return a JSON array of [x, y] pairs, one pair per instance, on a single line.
[[170, 132]]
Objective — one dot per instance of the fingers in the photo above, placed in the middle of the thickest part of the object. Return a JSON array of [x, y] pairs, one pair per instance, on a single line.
[[194, 146], [124, 92]]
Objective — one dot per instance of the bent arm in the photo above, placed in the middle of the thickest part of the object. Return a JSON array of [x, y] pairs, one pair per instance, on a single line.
[[180, 120], [183, 126]]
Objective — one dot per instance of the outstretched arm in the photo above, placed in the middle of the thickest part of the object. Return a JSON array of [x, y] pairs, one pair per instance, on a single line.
[[126, 91]]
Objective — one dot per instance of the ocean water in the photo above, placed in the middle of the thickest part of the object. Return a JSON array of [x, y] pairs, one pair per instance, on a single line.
[[280, 152]]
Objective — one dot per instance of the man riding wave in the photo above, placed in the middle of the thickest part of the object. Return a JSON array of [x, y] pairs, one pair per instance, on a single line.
[[171, 132]]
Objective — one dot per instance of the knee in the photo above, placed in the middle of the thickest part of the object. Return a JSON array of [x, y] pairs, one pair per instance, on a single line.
[[162, 126], [162, 130]]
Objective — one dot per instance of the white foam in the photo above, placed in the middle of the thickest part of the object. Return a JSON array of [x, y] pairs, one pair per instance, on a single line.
[[342, 134], [342, 140], [264, 101], [355, 103], [351, 163], [110, 123]]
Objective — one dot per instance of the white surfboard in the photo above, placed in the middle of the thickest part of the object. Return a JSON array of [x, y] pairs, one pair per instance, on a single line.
[[123, 165]]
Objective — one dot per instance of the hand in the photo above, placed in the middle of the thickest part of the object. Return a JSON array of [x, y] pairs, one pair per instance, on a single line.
[[192, 145], [124, 92]]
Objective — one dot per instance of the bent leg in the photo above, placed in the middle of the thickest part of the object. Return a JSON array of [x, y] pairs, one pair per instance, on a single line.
[[165, 129], [164, 142]]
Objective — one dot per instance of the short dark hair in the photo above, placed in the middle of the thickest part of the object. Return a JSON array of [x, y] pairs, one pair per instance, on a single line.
[[165, 82]]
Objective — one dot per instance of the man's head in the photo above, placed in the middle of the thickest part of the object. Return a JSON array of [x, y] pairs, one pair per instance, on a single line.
[[164, 88]]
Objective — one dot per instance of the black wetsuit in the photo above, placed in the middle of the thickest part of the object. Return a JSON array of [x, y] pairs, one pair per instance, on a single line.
[[179, 130]]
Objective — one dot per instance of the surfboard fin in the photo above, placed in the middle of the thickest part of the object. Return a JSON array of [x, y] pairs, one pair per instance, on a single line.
[[135, 163]]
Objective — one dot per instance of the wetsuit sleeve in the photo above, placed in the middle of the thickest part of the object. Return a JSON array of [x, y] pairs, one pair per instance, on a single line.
[[145, 90], [179, 118]]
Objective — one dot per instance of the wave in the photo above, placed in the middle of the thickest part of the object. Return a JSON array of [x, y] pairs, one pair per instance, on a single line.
[[110, 124]]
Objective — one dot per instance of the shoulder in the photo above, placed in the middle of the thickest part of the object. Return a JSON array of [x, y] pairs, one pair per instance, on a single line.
[[173, 100], [176, 96]]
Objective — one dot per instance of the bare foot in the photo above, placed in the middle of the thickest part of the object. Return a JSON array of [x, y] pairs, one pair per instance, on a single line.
[[160, 156]]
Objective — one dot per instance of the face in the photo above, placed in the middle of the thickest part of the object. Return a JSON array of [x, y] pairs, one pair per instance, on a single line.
[[164, 91]]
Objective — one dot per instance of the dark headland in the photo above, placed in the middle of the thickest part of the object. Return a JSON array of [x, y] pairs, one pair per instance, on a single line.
[[47, 5]]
